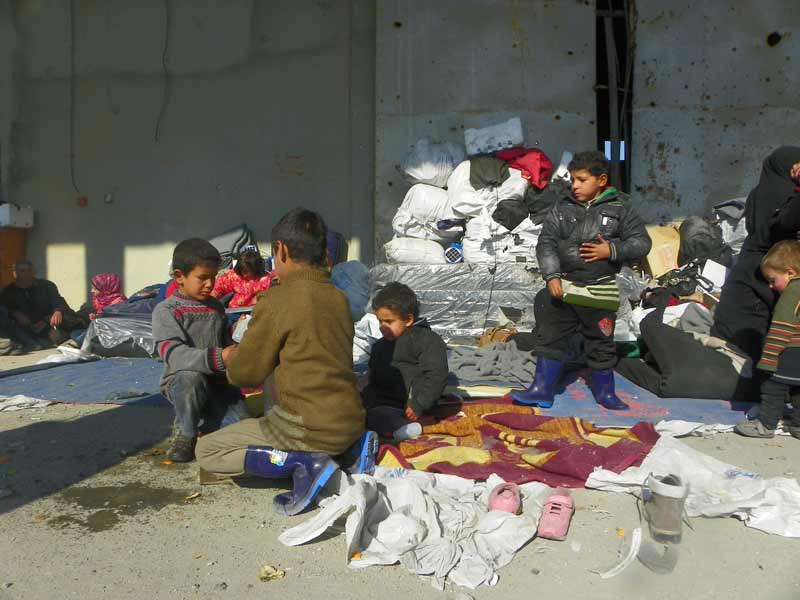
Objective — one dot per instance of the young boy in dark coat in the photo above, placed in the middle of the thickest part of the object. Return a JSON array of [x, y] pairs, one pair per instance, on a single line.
[[585, 240], [407, 368]]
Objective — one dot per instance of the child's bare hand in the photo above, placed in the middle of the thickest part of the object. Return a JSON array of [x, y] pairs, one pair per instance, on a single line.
[[555, 289], [592, 252], [228, 352], [410, 414], [794, 172]]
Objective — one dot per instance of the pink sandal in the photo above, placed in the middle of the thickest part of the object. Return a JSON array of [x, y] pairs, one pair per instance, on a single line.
[[556, 516], [505, 497]]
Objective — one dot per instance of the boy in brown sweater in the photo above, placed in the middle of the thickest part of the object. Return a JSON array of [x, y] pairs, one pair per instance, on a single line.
[[302, 333]]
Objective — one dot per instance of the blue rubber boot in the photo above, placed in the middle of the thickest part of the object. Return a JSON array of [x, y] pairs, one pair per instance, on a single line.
[[309, 471], [540, 392], [603, 390], [360, 458]]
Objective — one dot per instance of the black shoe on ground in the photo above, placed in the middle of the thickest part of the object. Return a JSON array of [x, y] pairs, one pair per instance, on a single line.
[[182, 449]]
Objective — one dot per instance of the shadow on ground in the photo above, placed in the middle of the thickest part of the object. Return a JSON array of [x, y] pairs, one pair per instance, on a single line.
[[47, 456]]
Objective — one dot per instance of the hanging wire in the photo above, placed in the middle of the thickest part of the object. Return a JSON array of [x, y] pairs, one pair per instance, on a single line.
[[72, 96], [167, 83]]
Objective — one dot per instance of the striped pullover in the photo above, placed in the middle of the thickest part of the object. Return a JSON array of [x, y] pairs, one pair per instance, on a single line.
[[784, 330], [190, 336]]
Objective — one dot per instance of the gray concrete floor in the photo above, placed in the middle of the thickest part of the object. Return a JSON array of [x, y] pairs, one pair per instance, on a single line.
[[95, 514]]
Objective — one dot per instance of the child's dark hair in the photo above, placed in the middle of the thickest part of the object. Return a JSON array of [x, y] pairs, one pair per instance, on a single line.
[[398, 298], [194, 252], [783, 256], [252, 261], [593, 161], [304, 233]]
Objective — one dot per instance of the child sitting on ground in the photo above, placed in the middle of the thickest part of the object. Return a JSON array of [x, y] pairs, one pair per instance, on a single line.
[[301, 332], [246, 280], [780, 359], [407, 368], [585, 240], [191, 335]]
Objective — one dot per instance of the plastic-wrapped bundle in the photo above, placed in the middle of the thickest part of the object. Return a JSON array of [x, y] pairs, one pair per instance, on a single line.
[[494, 137], [432, 163], [467, 201], [422, 208], [486, 241], [463, 299], [414, 251]]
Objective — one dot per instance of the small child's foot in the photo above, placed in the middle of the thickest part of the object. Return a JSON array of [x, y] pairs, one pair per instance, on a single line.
[[754, 429], [182, 449], [407, 432]]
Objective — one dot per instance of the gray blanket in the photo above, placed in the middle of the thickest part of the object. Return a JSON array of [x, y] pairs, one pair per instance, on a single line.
[[491, 364]]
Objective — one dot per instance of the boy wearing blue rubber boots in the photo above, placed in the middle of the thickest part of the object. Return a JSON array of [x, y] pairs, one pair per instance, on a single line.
[[301, 332], [585, 240]]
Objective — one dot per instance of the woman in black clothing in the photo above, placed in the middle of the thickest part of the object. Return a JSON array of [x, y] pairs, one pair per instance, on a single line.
[[772, 214]]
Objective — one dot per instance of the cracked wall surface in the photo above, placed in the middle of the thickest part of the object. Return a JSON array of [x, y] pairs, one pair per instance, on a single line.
[[453, 64], [715, 90], [265, 106]]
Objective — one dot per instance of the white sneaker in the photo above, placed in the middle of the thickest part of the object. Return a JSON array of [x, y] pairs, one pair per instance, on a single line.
[[407, 432]]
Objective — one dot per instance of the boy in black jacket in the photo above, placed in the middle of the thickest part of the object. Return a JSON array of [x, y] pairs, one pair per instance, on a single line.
[[407, 368], [585, 240]]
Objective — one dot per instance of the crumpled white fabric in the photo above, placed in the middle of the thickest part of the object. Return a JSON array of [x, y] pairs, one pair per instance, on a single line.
[[716, 489], [434, 525], [21, 402], [678, 428]]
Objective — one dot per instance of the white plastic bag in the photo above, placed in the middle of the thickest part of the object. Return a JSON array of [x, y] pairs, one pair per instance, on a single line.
[[367, 332], [467, 201], [495, 137], [432, 163], [423, 206], [414, 251]]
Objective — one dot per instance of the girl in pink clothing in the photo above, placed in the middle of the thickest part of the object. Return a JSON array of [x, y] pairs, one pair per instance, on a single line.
[[247, 279], [106, 291]]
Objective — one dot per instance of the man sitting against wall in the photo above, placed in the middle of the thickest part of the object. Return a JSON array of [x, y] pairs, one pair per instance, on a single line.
[[43, 317]]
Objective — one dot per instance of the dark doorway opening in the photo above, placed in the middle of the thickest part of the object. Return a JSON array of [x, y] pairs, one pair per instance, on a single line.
[[614, 24]]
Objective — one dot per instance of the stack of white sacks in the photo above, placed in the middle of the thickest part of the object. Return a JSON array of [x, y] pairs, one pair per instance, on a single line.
[[434, 167]]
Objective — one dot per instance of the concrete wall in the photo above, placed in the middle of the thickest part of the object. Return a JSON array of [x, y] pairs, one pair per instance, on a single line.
[[711, 99], [8, 49], [269, 105], [453, 64]]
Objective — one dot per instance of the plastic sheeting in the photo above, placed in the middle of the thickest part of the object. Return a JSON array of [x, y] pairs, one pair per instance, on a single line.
[[110, 332], [436, 526], [463, 299], [716, 489]]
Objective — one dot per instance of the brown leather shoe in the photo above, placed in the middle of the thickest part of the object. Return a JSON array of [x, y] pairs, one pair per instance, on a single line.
[[182, 449]]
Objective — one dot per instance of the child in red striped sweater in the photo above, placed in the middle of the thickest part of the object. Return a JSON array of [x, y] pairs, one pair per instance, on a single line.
[[780, 358]]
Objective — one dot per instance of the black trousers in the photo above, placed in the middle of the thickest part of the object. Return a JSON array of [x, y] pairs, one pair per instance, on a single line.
[[745, 307], [557, 321]]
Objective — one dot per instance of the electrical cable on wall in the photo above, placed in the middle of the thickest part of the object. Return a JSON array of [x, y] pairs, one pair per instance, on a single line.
[[72, 96], [167, 82]]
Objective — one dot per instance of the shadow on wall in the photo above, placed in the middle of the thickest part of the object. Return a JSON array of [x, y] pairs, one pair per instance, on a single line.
[[49, 456]]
